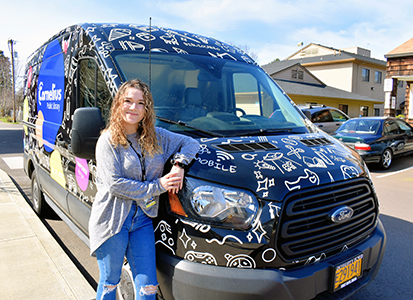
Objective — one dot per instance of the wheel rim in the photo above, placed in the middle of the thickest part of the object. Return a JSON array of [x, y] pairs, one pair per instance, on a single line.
[[126, 289], [35, 193], [386, 158]]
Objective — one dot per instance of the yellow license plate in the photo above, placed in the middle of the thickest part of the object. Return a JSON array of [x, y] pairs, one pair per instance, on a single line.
[[348, 272]]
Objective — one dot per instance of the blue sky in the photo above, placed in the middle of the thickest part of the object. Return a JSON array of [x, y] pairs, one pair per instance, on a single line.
[[270, 28]]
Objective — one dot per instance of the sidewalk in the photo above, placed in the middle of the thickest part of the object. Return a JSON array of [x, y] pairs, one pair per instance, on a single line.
[[32, 264]]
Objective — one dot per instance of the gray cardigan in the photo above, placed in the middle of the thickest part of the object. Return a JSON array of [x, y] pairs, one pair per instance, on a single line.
[[119, 181]]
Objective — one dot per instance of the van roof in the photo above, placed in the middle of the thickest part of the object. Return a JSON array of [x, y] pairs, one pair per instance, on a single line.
[[109, 37]]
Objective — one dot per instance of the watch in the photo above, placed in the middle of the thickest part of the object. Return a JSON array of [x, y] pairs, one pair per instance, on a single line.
[[178, 163]]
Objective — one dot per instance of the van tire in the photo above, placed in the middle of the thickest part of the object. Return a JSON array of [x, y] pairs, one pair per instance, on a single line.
[[126, 286], [40, 206]]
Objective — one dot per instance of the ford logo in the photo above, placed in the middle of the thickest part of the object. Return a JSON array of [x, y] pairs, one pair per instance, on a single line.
[[341, 214]]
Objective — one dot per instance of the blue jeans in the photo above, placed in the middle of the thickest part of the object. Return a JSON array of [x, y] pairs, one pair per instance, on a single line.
[[136, 241]]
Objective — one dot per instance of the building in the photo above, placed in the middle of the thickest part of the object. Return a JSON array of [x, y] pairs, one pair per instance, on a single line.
[[351, 69], [400, 70], [303, 87]]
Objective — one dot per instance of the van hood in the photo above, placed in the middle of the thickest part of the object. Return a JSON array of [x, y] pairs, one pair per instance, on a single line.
[[272, 166]]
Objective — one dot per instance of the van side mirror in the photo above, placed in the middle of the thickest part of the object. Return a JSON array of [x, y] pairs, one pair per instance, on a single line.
[[86, 127]]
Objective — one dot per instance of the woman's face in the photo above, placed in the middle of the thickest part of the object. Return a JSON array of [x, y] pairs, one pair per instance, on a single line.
[[132, 109]]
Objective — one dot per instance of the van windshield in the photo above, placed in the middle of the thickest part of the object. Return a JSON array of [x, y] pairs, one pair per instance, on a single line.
[[219, 96]]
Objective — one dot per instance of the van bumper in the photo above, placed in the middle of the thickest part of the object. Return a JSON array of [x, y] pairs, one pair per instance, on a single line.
[[182, 279]]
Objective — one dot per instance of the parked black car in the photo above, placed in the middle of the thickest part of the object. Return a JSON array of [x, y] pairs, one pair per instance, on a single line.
[[324, 117], [377, 139]]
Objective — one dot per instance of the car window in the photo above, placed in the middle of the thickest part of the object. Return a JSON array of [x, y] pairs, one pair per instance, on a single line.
[[390, 127], [322, 116], [338, 116], [404, 127], [360, 127]]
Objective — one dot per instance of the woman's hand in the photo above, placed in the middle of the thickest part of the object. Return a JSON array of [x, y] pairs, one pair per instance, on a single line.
[[173, 181]]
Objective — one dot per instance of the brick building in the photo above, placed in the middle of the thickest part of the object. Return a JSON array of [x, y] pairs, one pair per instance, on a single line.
[[400, 72]]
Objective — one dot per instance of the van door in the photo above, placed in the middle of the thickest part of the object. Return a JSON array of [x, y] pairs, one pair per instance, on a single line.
[[91, 91]]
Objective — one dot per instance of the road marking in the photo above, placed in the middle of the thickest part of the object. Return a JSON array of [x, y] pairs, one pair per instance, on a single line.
[[394, 173], [15, 162]]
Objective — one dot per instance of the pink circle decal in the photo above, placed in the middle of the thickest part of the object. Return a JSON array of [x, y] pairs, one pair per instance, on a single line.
[[82, 173]]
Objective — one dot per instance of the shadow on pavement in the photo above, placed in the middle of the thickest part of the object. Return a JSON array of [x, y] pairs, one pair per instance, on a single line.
[[394, 280]]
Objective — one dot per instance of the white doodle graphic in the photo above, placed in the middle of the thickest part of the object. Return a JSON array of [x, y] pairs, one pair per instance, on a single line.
[[203, 149], [216, 165], [265, 184], [259, 231], [262, 139], [263, 165], [165, 229], [193, 244], [331, 177], [184, 238], [314, 259], [314, 162], [201, 257], [295, 151], [349, 171], [197, 226], [309, 175], [289, 142], [289, 166], [274, 210], [224, 240], [118, 33], [221, 155], [324, 157], [248, 156], [249, 237], [269, 255], [258, 175], [240, 261], [286, 163], [129, 45]]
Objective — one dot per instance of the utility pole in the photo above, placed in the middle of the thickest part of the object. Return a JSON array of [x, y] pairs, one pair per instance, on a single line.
[[11, 42]]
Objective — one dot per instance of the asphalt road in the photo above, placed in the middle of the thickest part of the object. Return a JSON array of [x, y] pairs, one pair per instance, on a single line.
[[394, 189]]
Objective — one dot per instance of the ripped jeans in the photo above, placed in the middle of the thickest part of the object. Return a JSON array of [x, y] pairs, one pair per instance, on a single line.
[[136, 241]]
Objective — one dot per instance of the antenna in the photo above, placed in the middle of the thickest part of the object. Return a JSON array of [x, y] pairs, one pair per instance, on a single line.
[[150, 50]]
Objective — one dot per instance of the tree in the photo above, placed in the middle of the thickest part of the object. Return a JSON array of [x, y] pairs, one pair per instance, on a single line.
[[6, 97]]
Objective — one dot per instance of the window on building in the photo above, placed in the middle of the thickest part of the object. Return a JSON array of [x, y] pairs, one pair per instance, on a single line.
[[365, 75], [378, 76], [400, 84], [343, 108], [377, 112], [297, 74], [364, 111]]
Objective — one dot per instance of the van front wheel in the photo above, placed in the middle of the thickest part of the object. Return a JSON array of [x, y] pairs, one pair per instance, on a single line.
[[39, 204]]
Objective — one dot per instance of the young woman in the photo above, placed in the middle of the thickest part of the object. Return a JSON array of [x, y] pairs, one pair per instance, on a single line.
[[130, 156]]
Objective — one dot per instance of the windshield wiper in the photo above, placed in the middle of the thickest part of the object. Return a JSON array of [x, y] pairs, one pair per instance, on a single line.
[[210, 133]]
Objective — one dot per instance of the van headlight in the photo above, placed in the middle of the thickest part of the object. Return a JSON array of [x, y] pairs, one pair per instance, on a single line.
[[218, 204]]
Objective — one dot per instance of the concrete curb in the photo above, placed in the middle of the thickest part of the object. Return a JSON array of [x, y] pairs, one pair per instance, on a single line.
[[32, 264]]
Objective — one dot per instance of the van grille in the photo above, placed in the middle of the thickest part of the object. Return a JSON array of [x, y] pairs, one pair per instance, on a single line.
[[305, 229]]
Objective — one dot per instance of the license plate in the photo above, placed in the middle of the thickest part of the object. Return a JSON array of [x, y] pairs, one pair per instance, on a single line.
[[347, 272]]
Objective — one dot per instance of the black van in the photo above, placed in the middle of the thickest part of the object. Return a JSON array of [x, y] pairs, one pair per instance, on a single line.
[[272, 207]]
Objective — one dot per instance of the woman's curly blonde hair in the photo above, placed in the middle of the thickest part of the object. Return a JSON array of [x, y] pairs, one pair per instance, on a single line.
[[146, 136]]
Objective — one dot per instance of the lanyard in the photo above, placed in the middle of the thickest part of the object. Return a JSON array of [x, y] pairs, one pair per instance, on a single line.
[[141, 160]]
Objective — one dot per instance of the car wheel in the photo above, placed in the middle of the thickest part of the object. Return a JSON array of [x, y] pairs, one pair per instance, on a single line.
[[39, 204], [386, 159]]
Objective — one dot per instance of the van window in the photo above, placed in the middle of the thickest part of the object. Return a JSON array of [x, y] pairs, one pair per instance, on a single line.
[[219, 95], [92, 88]]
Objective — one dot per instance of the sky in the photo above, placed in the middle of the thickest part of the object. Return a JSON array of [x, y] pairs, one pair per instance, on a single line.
[[270, 29]]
